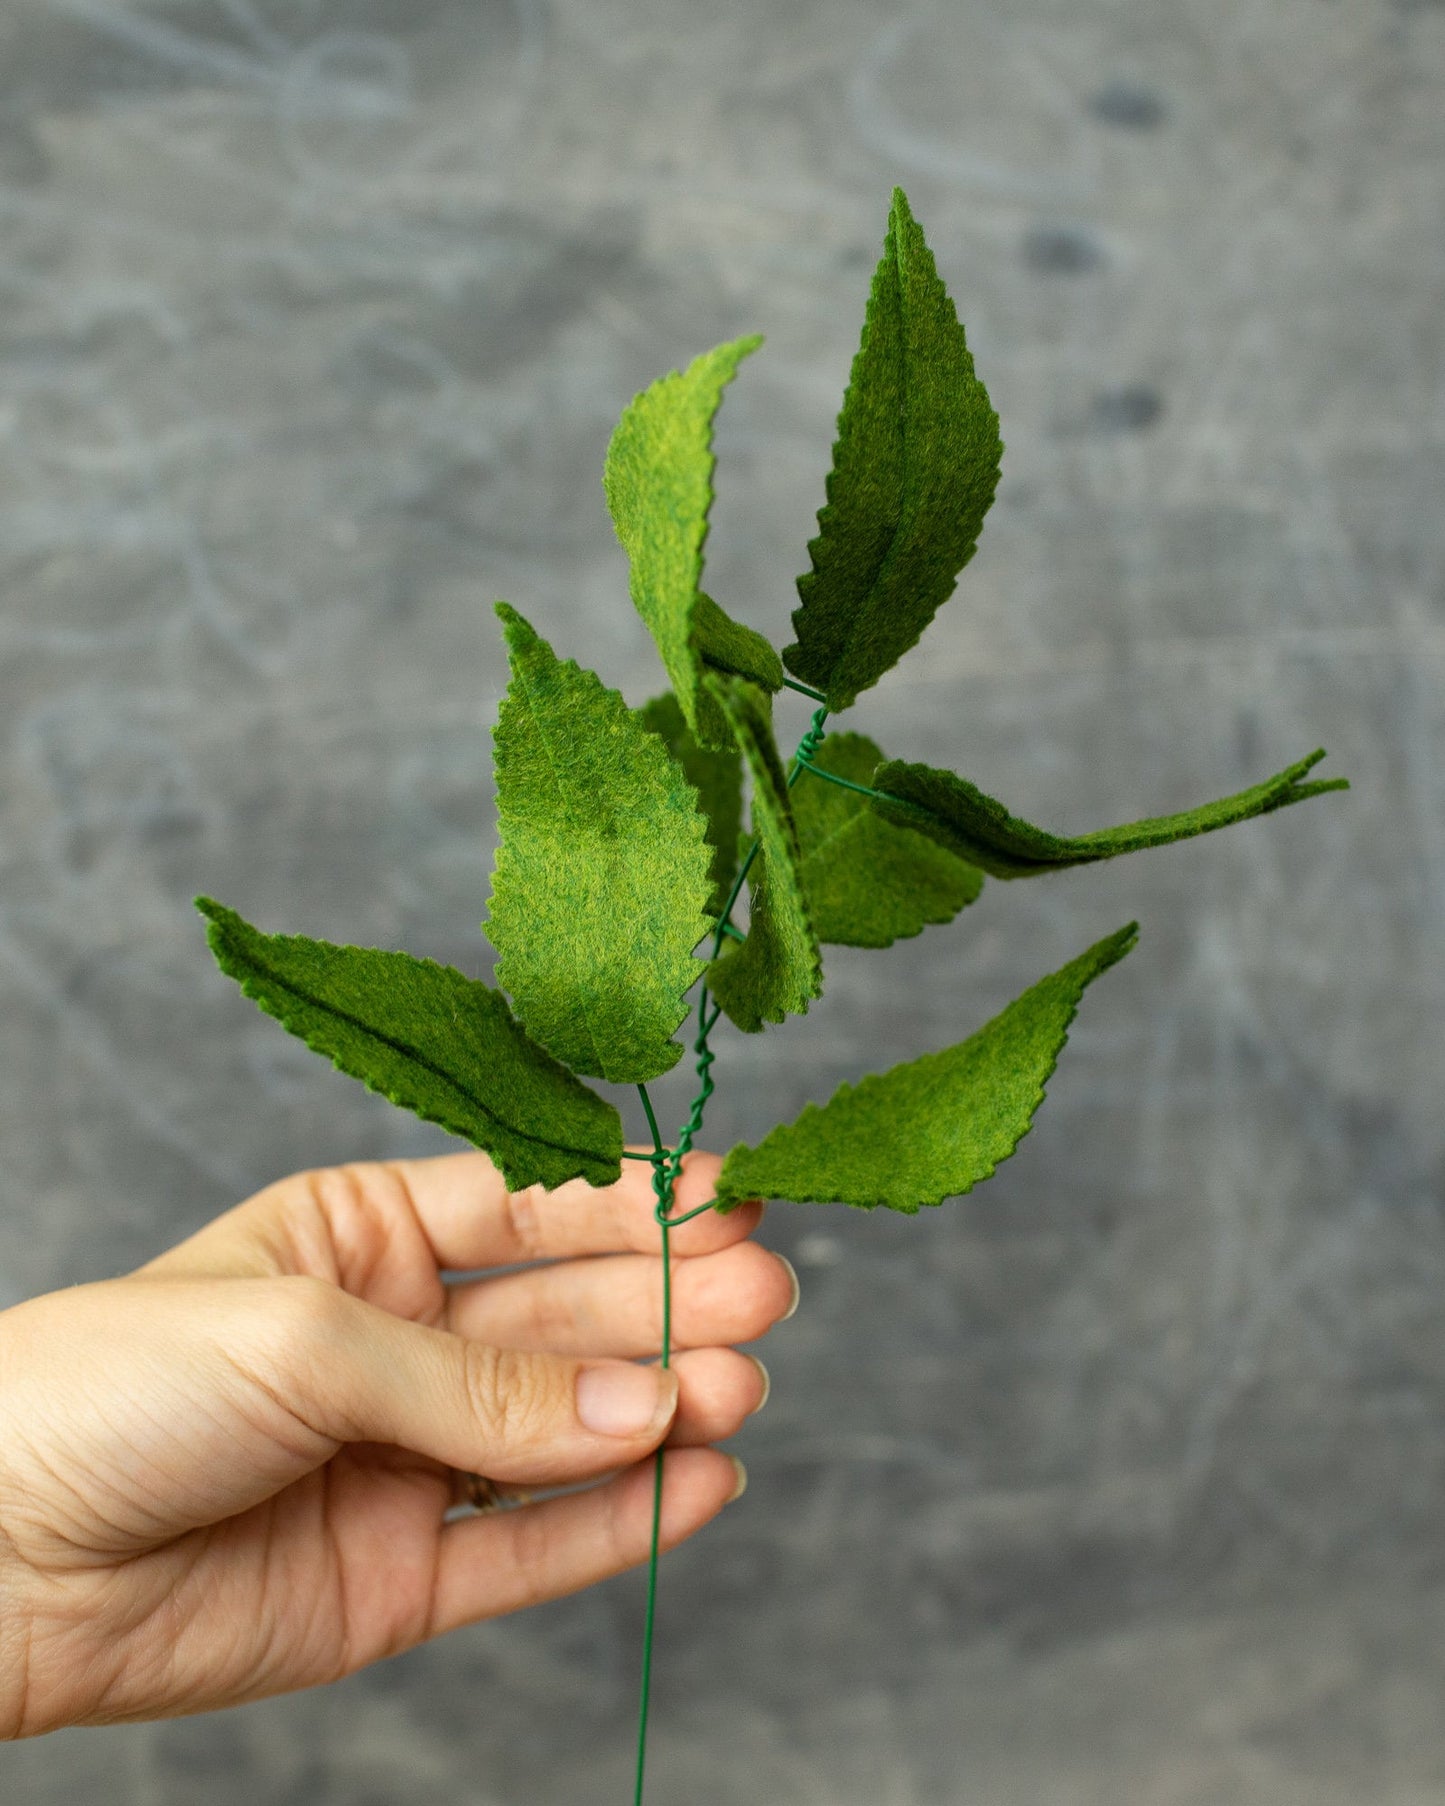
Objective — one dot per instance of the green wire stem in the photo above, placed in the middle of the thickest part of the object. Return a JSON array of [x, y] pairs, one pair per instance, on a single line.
[[832, 777], [667, 1164]]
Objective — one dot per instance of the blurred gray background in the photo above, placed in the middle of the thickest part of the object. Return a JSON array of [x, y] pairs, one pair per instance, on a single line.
[[1123, 1477]]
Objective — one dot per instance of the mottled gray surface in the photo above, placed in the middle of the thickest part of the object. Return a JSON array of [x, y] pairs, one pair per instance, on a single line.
[[1123, 1478]]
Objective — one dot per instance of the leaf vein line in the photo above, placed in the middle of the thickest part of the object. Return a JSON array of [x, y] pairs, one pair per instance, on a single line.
[[415, 1054]]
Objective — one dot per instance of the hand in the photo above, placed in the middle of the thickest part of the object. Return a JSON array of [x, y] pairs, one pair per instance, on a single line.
[[223, 1476]]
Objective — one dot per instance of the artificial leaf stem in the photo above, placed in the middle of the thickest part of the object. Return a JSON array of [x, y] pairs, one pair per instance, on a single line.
[[667, 1164], [832, 777]]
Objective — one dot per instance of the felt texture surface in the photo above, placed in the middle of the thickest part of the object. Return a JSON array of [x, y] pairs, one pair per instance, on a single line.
[[726, 645], [658, 482], [602, 870], [870, 882], [931, 1128], [979, 828], [915, 466], [716, 776], [437, 1043], [777, 970]]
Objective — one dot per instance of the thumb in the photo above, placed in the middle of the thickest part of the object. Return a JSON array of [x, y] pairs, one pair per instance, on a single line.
[[356, 1373]]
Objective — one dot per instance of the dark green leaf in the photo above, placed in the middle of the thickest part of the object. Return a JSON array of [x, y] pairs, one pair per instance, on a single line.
[[433, 1041], [931, 1128], [869, 882], [658, 479], [915, 466], [602, 872], [776, 969], [717, 777], [978, 828]]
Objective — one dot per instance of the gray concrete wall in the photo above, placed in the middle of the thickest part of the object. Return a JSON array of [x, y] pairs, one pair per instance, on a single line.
[[1123, 1477]]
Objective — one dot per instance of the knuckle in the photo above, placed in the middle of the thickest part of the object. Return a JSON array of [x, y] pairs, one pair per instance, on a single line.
[[301, 1316], [515, 1396], [305, 1305], [533, 1555], [357, 1202], [618, 1534], [746, 1290], [521, 1207], [280, 1336]]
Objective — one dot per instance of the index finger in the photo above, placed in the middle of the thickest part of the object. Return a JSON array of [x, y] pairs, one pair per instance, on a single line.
[[472, 1220]]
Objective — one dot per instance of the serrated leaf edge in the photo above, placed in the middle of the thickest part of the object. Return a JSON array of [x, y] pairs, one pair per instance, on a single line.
[[695, 822], [1125, 940], [215, 932]]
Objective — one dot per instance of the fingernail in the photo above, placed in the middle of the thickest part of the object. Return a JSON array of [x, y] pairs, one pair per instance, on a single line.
[[742, 1485], [619, 1399], [767, 1385], [797, 1289]]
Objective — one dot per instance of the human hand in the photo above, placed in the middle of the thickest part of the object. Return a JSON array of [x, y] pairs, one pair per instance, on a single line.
[[223, 1476]]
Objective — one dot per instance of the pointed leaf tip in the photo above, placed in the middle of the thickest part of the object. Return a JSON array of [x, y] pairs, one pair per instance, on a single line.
[[915, 466], [658, 481], [979, 828]]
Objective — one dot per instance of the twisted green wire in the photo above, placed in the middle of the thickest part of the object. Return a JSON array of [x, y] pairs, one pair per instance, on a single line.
[[667, 1164]]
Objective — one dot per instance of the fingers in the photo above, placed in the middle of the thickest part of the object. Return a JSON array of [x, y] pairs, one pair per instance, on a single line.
[[613, 1306], [719, 1389], [352, 1372], [359, 1223], [491, 1565], [471, 1220]]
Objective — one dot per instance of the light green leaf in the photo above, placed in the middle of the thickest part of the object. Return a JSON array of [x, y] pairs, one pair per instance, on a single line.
[[869, 882], [976, 827], [915, 466], [931, 1128], [777, 969], [602, 871], [658, 480], [717, 778], [726, 645], [433, 1041]]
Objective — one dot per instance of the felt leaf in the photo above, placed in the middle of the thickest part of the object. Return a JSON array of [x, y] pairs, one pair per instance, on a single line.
[[717, 777], [777, 969], [658, 481], [915, 466], [869, 882], [601, 873], [959, 816], [930, 1128], [726, 645], [433, 1041]]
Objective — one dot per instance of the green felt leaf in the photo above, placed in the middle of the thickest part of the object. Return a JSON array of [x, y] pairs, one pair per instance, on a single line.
[[433, 1041], [777, 969], [726, 645], [717, 777], [870, 882], [601, 874], [979, 828], [658, 480], [915, 466], [931, 1128]]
